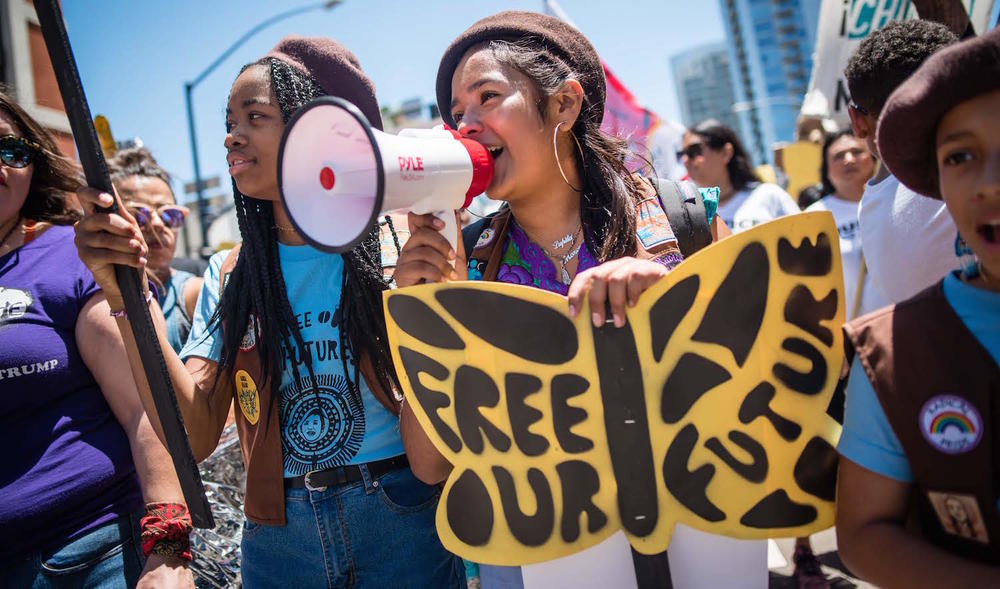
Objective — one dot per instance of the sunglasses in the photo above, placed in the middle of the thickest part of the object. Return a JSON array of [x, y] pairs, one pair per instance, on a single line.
[[171, 215], [18, 152], [859, 108], [691, 151]]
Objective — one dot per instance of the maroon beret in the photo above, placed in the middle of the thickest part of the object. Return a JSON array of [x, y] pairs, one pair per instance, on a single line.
[[537, 30], [907, 128], [334, 67]]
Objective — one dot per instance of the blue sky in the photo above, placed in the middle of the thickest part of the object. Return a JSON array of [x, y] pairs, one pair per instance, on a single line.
[[134, 57]]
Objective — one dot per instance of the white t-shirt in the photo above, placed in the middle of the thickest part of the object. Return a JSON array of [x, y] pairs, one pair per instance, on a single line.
[[909, 239], [845, 215], [755, 205]]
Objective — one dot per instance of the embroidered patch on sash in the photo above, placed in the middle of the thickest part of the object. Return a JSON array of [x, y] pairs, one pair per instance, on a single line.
[[959, 515], [951, 424], [485, 238], [246, 394], [249, 341], [652, 227]]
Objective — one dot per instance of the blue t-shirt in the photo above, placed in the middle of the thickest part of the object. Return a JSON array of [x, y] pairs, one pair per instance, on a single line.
[[325, 426], [174, 312], [867, 439]]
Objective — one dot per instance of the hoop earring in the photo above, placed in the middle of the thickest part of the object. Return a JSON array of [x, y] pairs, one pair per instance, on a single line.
[[555, 151]]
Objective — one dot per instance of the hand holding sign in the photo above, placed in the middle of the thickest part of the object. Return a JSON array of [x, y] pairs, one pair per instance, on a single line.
[[708, 407]]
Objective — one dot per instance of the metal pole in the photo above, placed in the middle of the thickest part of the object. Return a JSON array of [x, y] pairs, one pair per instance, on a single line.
[[202, 213]]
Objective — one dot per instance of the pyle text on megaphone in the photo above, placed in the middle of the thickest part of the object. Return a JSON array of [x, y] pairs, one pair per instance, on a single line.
[[337, 174]]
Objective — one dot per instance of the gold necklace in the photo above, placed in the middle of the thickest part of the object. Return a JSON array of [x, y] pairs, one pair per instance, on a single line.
[[285, 229]]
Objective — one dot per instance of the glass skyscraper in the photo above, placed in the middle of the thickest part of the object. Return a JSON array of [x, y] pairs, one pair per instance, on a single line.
[[770, 45], [704, 86]]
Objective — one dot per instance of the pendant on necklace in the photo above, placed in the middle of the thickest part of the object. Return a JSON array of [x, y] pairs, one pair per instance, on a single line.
[[565, 276], [562, 241]]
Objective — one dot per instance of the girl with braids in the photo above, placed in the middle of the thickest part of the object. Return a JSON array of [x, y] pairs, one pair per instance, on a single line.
[[575, 222], [296, 344]]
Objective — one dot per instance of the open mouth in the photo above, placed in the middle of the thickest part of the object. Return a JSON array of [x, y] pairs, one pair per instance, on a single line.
[[237, 165], [990, 232], [495, 151]]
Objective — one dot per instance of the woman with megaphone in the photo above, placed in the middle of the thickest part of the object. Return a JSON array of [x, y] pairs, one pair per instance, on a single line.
[[301, 355], [576, 221]]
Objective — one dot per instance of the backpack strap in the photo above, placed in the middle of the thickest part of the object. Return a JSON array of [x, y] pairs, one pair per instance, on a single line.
[[683, 204]]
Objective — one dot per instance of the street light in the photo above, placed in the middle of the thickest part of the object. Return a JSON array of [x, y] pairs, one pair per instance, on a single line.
[[189, 87]]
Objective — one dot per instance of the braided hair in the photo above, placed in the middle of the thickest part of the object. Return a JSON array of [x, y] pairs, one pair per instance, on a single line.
[[256, 287]]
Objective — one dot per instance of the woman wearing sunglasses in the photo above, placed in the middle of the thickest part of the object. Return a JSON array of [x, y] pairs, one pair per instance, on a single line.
[[82, 458], [714, 156], [144, 188]]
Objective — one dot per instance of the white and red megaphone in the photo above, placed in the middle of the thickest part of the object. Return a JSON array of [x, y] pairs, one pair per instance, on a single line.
[[337, 175]]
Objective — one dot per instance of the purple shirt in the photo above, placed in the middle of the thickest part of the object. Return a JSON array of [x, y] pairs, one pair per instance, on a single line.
[[67, 466]]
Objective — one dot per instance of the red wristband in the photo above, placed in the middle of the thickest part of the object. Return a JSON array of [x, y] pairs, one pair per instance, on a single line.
[[165, 530]]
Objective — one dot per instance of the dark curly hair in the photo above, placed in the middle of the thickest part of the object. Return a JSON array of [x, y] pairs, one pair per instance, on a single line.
[[256, 285], [136, 161], [55, 177], [887, 57], [717, 135]]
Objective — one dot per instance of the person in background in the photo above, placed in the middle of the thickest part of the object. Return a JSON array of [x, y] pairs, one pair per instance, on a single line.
[[910, 241], [917, 496], [82, 458], [714, 156], [144, 188], [847, 166]]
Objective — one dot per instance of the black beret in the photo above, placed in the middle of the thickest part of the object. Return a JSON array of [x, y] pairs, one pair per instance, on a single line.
[[535, 29]]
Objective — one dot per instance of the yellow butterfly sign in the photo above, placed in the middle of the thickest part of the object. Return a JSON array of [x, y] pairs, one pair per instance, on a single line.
[[708, 408]]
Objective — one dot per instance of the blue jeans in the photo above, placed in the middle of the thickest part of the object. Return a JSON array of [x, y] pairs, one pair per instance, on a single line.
[[370, 533], [109, 557]]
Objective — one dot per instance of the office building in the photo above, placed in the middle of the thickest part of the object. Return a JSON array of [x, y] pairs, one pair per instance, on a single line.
[[704, 85], [770, 44]]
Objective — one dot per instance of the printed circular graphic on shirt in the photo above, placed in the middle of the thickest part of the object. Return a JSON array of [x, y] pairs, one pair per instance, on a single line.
[[951, 424], [322, 428]]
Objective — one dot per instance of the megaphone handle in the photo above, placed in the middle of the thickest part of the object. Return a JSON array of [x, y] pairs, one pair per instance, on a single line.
[[450, 230]]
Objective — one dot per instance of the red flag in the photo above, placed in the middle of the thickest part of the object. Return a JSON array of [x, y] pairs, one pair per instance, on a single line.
[[623, 116]]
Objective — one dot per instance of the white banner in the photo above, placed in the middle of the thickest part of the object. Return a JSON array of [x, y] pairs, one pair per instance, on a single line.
[[842, 26]]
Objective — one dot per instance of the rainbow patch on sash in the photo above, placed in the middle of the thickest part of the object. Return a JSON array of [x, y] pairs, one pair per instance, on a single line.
[[952, 419], [951, 424]]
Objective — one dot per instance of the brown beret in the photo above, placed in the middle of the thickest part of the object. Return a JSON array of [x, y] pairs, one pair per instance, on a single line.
[[537, 30], [334, 67], [907, 128]]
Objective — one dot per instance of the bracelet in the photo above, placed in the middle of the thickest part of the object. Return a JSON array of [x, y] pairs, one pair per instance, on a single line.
[[122, 313], [165, 530]]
